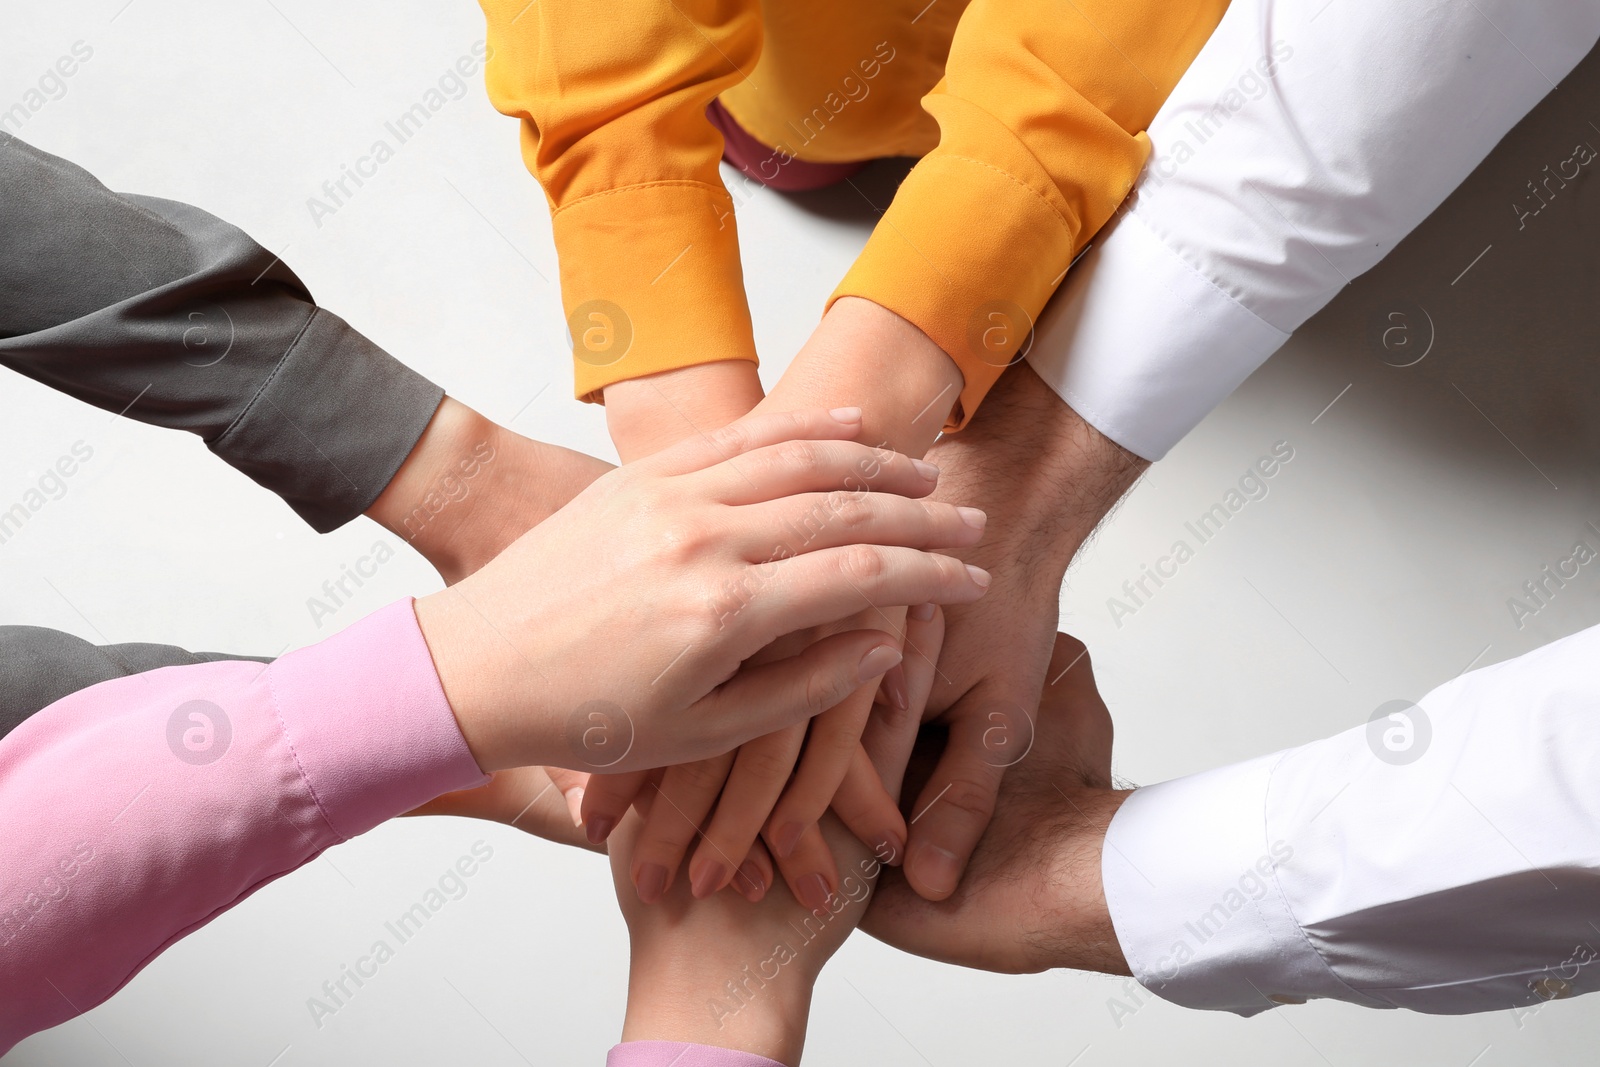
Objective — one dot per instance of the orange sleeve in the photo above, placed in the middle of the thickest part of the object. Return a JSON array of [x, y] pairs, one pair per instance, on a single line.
[[612, 99], [1041, 115]]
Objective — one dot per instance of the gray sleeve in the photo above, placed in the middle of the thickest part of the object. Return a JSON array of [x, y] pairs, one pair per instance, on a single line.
[[173, 316], [38, 667]]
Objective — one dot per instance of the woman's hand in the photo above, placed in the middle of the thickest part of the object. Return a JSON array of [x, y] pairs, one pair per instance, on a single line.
[[722, 971], [614, 635]]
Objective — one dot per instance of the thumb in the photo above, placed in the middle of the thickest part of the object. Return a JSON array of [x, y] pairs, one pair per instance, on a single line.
[[572, 785]]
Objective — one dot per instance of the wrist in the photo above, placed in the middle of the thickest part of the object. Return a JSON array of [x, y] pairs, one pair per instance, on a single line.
[[1044, 474], [646, 415], [470, 487], [732, 1006], [1077, 931], [866, 356]]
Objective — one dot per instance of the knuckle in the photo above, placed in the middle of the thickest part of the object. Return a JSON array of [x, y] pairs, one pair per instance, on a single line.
[[696, 779], [863, 564], [792, 460], [849, 511], [680, 539], [971, 798], [831, 745], [765, 764], [824, 689]]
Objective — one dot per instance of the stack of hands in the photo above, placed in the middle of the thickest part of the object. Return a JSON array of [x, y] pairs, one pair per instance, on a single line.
[[753, 700]]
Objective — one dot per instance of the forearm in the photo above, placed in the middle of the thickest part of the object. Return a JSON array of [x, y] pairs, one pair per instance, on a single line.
[[866, 356]]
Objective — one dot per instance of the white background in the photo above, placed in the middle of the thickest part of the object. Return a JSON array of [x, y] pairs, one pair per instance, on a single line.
[[1379, 565]]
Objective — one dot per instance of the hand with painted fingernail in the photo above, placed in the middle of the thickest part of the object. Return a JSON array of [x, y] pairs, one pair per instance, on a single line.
[[783, 782], [689, 952]]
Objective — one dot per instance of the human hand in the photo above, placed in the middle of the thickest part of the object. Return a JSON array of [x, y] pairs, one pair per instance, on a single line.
[[721, 971], [1032, 898], [529, 649], [779, 785], [1046, 478], [471, 487]]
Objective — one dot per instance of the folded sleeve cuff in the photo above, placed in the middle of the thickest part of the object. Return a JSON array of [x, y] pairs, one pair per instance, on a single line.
[[969, 254], [368, 723], [678, 1054], [332, 424], [651, 282], [1142, 344], [1191, 883]]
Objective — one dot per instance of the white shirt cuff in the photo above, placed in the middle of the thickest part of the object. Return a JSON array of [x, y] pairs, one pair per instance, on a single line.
[[1141, 344], [1191, 883]]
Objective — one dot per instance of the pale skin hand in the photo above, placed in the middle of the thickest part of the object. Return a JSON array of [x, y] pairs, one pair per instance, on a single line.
[[1032, 898], [527, 648], [686, 950], [1046, 478], [907, 385]]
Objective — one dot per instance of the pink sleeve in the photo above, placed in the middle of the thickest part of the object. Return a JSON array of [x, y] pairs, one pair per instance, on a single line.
[[139, 809], [678, 1054]]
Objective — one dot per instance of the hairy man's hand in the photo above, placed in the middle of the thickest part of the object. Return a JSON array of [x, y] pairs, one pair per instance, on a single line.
[[1046, 478], [1032, 897]]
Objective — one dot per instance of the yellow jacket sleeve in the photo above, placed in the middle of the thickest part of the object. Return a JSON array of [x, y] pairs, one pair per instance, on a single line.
[[612, 100], [1041, 116]]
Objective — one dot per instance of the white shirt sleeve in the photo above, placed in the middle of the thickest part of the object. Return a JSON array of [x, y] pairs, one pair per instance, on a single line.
[[1306, 140], [1445, 857]]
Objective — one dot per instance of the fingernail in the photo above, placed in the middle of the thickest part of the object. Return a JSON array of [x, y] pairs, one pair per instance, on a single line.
[[973, 517], [894, 683], [786, 838], [751, 882], [877, 662], [599, 828], [709, 880], [813, 892], [926, 469], [651, 882], [922, 612], [846, 414], [980, 577], [575, 806], [936, 868], [888, 850]]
